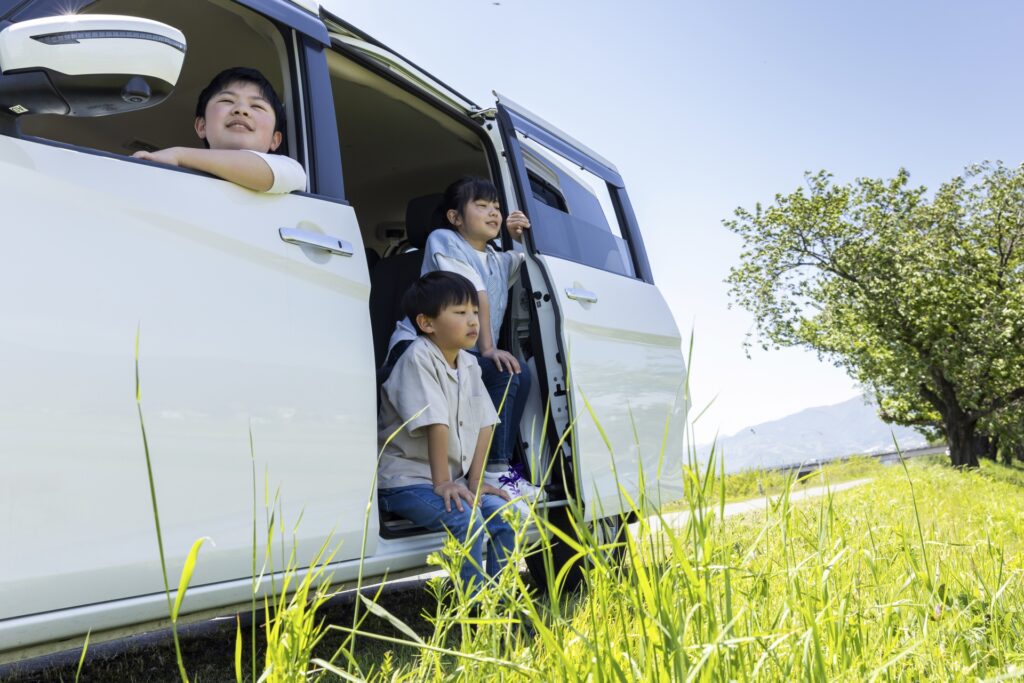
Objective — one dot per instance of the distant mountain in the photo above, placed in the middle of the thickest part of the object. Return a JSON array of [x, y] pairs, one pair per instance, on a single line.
[[819, 433]]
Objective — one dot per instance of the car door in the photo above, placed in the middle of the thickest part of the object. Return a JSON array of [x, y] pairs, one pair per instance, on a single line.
[[255, 368], [619, 342]]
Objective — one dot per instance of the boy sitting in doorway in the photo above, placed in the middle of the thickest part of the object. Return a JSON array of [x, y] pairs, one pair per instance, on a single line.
[[438, 409], [240, 120]]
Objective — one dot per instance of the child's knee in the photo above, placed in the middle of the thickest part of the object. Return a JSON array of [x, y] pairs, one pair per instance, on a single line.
[[457, 522], [523, 378]]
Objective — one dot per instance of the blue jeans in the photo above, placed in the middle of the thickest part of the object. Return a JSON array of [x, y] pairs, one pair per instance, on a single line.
[[504, 440], [418, 503]]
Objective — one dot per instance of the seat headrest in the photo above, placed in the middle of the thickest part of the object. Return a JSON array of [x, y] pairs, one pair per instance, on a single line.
[[422, 215]]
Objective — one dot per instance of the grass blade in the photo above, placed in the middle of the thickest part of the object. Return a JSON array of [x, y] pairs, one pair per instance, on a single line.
[[81, 658], [381, 612], [238, 649], [186, 575]]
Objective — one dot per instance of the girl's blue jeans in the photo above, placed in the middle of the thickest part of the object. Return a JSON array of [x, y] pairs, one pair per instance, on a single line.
[[504, 440], [418, 503]]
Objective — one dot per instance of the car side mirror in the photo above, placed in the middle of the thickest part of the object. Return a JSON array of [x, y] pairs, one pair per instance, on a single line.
[[87, 65]]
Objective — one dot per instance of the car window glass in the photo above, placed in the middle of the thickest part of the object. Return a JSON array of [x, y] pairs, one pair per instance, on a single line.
[[573, 212]]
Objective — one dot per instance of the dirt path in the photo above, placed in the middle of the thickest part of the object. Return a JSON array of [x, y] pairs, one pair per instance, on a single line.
[[678, 519]]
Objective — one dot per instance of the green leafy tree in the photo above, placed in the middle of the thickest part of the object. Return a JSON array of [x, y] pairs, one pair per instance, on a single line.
[[1005, 429], [920, 299]]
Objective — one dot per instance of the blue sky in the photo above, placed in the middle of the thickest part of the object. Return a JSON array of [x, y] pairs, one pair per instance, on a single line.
[[708, 106]]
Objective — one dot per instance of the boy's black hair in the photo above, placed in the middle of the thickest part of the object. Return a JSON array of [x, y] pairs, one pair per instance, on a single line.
[[436, 291], [465, 190], [243, 74]]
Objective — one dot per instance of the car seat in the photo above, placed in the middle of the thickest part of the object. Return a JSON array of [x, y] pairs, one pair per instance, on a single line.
[[393, 275]]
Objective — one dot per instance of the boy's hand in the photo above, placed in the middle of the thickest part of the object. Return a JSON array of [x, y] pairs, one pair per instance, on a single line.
[[503, 360], [501, 493], [517, 222], [453, 491], [170, 156], [485, 488]]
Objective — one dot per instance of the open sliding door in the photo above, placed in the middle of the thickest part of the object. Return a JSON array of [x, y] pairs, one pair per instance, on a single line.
[[619, 343]]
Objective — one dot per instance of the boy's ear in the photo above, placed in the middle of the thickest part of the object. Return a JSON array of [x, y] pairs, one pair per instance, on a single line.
[[425, 323], [275, 141], [200, 125]]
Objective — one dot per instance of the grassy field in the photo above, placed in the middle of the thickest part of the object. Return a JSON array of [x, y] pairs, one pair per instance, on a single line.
[[752, 483], [913, 578], [916, 576]]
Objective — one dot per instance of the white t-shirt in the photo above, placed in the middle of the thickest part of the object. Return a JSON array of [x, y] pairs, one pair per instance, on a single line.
[[289, 175], [454, 265], [467, 271]]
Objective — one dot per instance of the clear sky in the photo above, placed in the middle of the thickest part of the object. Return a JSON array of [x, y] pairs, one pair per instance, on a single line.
[[706, 106]]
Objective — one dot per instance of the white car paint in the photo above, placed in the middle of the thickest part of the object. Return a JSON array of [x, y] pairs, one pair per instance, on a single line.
[[626, 374]]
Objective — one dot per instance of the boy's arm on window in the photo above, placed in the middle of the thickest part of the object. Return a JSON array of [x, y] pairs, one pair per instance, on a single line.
[[241, 167]]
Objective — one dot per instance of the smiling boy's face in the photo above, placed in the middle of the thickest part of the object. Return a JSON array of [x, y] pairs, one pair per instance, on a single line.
[[238, 117]]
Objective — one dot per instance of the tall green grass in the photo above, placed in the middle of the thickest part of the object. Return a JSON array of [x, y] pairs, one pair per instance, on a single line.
[[854, 586], [915, 576]]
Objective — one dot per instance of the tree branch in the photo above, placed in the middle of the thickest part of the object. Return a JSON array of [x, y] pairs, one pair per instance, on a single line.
[[933, 398], [998, 403], [916, 422]]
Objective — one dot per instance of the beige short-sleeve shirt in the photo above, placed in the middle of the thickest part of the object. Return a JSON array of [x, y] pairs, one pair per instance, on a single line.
[[424, 390]]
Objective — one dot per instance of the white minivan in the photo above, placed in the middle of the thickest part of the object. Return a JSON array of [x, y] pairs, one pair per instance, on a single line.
[[267, 315]]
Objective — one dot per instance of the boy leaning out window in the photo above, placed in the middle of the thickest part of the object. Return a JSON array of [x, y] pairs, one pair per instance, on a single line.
[[241, 121]]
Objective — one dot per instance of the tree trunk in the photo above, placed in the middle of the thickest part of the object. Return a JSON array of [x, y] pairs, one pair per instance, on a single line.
[[962, 443], [985, 446]]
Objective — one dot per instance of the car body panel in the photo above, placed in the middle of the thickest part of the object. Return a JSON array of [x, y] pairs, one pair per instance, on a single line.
[[240, 333]]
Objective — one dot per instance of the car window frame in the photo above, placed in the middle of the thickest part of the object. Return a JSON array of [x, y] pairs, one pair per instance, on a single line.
[[512, 122]]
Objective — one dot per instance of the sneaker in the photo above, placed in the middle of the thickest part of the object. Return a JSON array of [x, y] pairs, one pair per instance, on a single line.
[[515, 484], [529, 492], [516, 503]]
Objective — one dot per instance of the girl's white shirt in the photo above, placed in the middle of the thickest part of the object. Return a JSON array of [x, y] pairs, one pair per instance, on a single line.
[[404, 331]]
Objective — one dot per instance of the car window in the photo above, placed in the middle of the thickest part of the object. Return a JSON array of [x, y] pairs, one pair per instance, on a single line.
[[209, 27], [573, 212]]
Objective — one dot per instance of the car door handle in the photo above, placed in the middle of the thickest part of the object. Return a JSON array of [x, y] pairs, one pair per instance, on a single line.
[[584, 295], [315, 239]]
